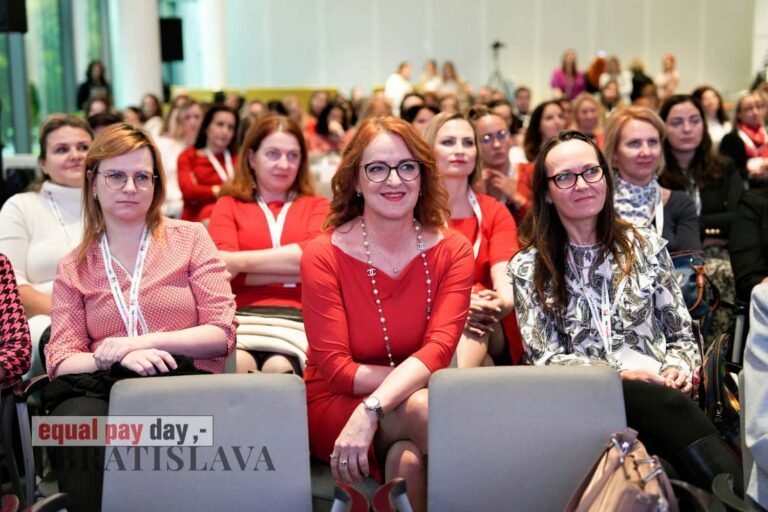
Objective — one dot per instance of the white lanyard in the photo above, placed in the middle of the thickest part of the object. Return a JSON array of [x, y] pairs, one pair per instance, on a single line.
[[224, 175], [131, 313], [479, 214], [659, 211], [59, 216], [601, 317], [276, 225]]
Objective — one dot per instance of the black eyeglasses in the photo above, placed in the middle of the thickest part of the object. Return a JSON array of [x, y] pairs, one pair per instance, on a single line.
[[487, 138], [117, 179], [378, 172], [566, 180]]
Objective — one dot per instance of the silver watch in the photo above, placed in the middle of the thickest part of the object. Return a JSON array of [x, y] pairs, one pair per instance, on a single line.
[[371, 403]]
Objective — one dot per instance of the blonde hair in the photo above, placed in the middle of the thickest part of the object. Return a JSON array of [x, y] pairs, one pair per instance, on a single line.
[[437, 122], [117, 140], [616, 122]]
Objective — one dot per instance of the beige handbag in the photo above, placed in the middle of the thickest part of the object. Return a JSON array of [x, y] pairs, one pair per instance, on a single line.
[[624, 478]]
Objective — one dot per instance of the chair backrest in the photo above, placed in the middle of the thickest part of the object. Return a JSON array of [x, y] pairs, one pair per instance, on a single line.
[[517, 438], [260, 454]]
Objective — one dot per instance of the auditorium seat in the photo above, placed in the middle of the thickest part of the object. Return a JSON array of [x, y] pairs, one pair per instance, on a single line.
[[266, 412], [517, 438]]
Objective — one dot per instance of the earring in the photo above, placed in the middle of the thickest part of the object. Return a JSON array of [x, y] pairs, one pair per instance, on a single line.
[[359, 194], [548, 201]]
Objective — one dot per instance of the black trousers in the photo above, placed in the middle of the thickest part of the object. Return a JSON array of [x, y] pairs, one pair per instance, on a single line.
[[80, 469], [666, 419]]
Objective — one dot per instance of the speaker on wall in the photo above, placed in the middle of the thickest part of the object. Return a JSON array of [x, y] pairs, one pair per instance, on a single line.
[[171, 44], [13, 16]]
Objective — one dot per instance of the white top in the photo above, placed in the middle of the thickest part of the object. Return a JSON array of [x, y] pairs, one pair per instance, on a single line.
[[154, 126], [170, 149], [717, 131], [394, 89], [32, 236], [516, 156]]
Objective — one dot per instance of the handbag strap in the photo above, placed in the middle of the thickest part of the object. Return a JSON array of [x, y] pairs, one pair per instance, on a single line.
[[577, 505]]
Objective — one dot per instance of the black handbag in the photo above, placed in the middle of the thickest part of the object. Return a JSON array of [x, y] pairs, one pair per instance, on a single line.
[[719, 392]]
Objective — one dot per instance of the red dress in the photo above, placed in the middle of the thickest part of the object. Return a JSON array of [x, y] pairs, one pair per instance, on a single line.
[[525, 189], [344, 332], [196, 177], [497, 244], [239, 226]]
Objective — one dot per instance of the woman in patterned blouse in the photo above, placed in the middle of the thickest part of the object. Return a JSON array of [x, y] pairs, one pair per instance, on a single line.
[[592, 290], [15, 345]]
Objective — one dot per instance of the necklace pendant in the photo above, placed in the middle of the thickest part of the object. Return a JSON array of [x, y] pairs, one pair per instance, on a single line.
[[420, 246], [395, 270], [371, 272]]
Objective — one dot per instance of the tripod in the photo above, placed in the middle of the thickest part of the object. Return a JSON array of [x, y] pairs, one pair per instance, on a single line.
[[497, 80]]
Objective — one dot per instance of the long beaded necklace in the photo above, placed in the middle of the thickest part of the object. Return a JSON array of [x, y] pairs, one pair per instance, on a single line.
[[372, 274]]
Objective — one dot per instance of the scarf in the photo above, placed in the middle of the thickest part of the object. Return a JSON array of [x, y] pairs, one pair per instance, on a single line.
[[755, 140], [636, 204]]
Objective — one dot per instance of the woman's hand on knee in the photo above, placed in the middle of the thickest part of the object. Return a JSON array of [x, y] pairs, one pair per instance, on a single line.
[[150, 361], [644, 375], [349, 460]]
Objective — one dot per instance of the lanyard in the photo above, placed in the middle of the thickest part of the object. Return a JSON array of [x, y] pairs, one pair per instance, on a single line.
[[276, 225], [658, 214], [602, 316], [479, 214], [224, 175], [130, 313], [59, 216]]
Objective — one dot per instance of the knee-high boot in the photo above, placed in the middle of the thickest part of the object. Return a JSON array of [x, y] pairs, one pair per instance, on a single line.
[[701, 461]]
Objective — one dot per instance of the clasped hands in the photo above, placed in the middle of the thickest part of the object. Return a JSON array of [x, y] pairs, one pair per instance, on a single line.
[[671, 378], [486, 307], [132, 355]]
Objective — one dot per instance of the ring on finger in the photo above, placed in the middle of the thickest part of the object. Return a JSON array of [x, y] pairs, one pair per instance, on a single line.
[[334, 456], [343, 462]]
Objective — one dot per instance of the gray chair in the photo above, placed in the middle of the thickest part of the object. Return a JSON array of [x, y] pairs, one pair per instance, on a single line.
[[746, 455], [517, 438], [266, 412]]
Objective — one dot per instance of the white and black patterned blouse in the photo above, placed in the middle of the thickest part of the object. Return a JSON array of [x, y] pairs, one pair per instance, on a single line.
[[650, 318]]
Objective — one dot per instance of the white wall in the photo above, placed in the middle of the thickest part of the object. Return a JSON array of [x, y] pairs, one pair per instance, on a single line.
[[360, 42]]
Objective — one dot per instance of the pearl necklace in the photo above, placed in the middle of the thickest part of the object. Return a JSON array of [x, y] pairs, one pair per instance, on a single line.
[[371, 271]]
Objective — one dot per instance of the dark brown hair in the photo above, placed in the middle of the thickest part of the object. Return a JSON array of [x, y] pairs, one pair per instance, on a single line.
[[705, 167], [543, 230], [533, 139], [432, 206]]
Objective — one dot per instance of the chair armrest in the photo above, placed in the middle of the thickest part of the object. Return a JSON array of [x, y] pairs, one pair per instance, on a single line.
[[7, 386], [722, 487], [698, 499], [25, 388]]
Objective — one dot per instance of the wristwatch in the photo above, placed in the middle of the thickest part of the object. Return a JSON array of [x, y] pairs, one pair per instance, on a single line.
[[372, 403]]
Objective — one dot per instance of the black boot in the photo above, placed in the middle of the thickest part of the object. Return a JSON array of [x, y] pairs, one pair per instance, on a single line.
[[700, 462]]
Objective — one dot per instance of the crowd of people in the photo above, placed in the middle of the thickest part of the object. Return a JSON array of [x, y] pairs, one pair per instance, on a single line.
[[461, 228]]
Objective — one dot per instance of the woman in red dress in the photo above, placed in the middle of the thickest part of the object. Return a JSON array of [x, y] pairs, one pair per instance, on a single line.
[[386, 296], [210, 163], [265, 218], [491, 230]]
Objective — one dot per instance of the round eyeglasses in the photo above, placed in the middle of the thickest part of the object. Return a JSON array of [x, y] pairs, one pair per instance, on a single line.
[[487, 138], [117, 179], [378, 172], [566, 180]]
